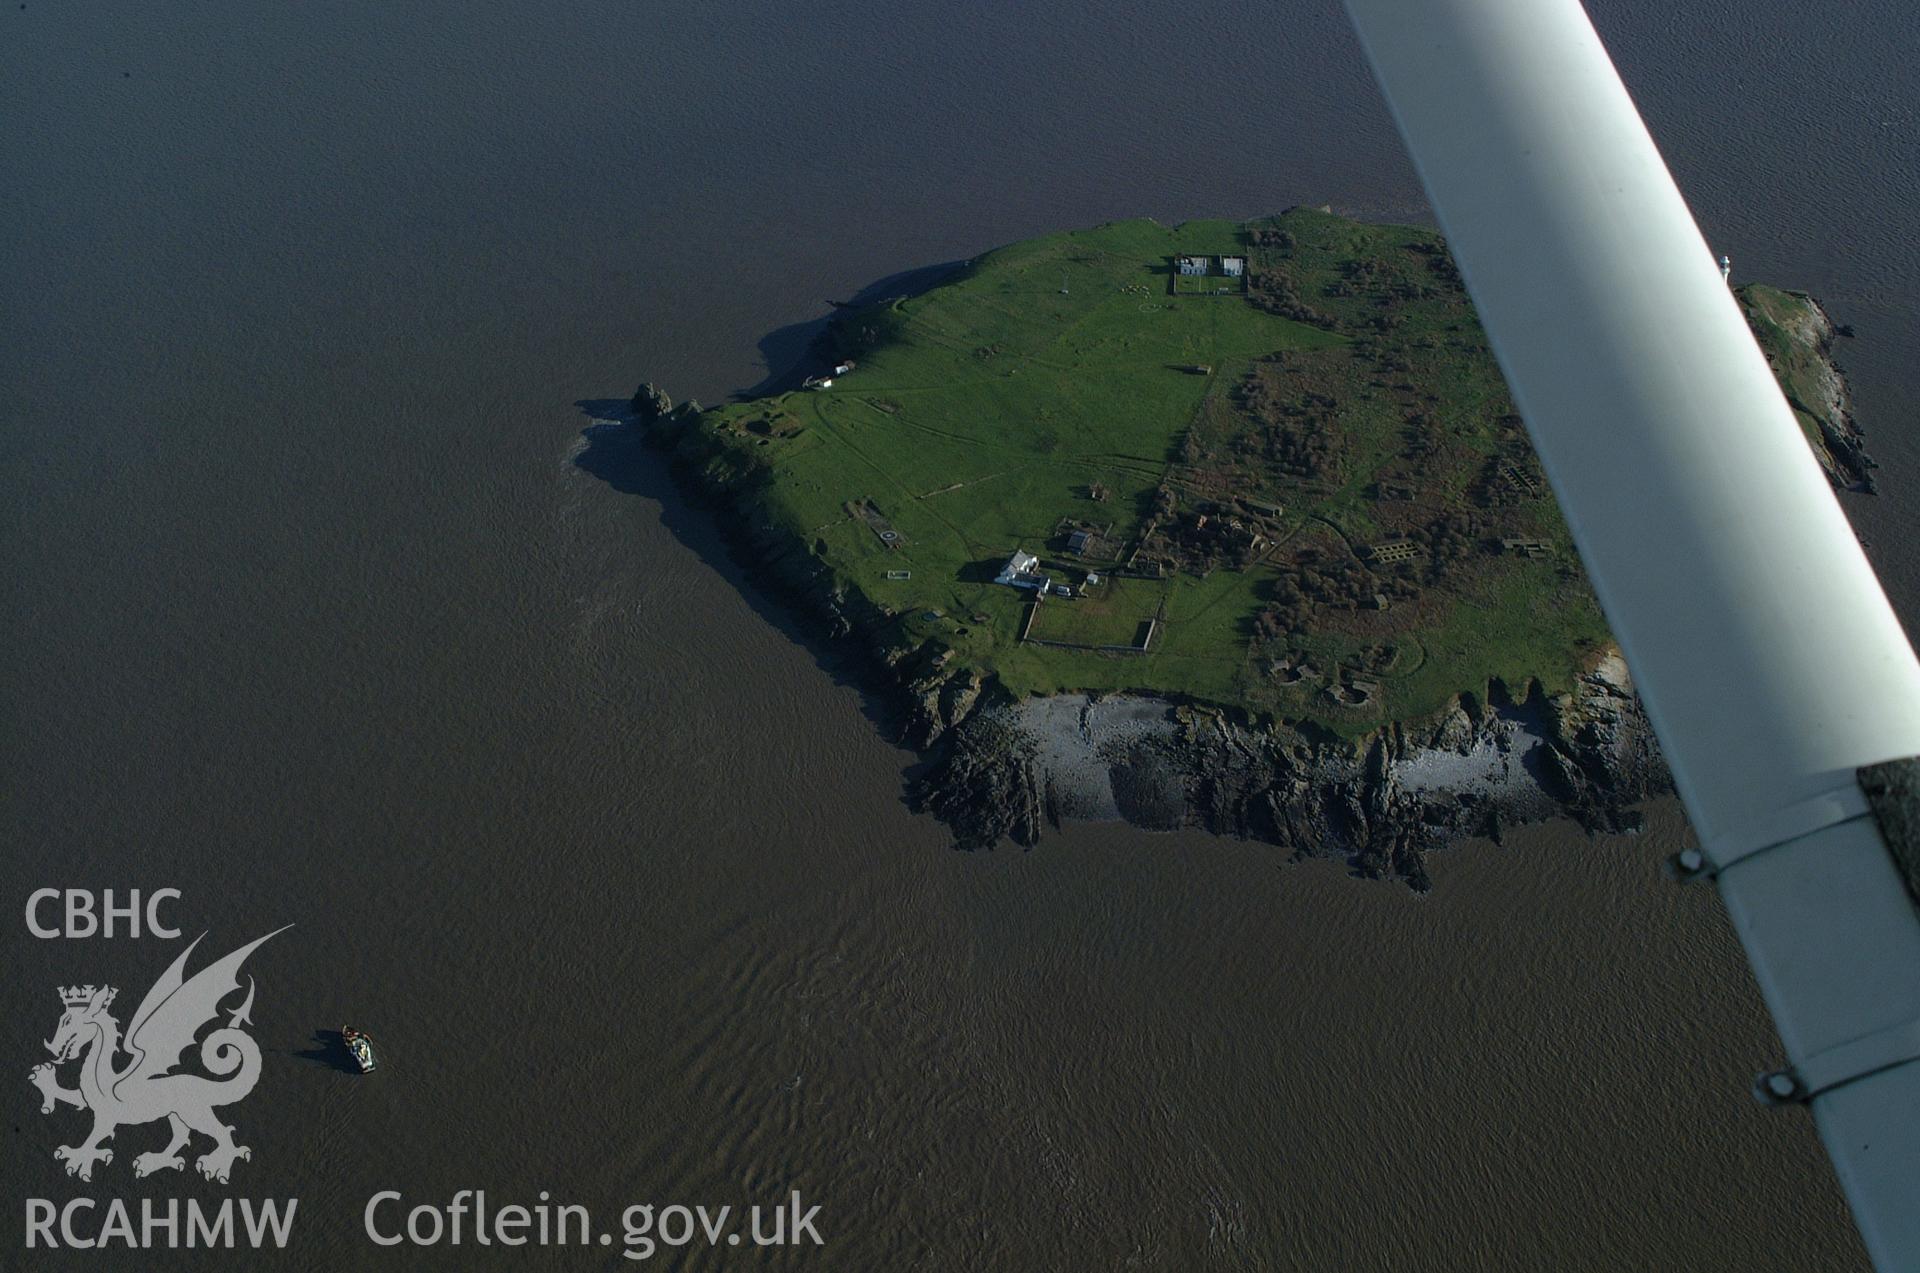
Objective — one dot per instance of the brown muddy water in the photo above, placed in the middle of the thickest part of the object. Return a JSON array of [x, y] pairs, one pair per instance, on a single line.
[[310, 613]]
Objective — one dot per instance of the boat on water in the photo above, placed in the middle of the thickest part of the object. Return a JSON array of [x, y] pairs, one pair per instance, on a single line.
[[360, 1047]]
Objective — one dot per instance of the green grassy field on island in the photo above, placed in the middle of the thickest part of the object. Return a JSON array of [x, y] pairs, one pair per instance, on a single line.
[[1318, 489]]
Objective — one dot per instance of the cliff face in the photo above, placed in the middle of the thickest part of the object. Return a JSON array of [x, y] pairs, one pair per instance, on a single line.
[[1009, 769]]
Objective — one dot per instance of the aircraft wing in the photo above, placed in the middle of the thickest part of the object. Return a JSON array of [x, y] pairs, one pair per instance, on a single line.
[[1770, 662]]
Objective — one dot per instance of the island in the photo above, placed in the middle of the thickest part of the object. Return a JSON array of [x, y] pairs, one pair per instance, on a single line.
[[1221, 524]]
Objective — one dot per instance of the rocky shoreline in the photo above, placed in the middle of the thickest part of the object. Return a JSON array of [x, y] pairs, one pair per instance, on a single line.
[[998, 768], [1816, 385], [1011, 769]]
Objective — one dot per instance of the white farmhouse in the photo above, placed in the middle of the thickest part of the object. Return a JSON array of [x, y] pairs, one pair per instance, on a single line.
[[1023, 571]]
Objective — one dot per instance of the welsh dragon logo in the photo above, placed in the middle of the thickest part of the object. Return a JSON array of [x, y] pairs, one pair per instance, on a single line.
[[147, 1089]]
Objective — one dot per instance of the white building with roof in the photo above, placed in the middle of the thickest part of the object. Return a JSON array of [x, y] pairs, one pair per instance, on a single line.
[[1023, 571]]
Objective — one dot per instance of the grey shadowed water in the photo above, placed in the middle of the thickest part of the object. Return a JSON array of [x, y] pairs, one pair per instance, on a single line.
[[312, 611]]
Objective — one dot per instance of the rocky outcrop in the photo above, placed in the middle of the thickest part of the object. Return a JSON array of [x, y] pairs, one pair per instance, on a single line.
[[650, 403], [1843, 446], [988, 789], [1797, 335], [937, 700], [1381, 803]]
